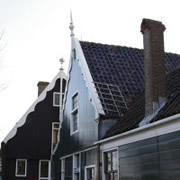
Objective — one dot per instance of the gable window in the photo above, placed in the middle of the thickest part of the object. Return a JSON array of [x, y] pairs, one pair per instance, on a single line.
[[76, 167], [55, 131], [90, 173], [21, 167], [74, 114], [56, 99], [44, 170], [111, 165]]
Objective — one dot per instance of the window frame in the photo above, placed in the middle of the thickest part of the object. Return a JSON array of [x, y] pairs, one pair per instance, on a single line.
[[76, 170], [52, 137], [89, 167], [104, 157], [25, 170], [49, 170], [54, 99], [74, 111], [63, 168]]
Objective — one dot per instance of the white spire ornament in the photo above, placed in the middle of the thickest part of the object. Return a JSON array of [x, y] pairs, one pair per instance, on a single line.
[[71, 26], [61, 61]]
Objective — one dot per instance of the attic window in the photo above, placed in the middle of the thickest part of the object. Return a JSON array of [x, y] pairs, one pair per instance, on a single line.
[[56, 99], [74, 114], [74, 54]]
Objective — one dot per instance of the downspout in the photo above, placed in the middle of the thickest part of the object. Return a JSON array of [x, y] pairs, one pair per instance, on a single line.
[[98, 163]]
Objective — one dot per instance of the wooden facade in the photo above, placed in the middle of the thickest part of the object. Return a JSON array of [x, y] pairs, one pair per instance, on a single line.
[[30, 148]]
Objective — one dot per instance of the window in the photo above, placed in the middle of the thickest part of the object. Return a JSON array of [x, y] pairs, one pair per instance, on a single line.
[[44, 170], [76, 167], [55, 131], [62, 169], [90, 173], [74, 114], [21, 167], [111, 165], [56, 99]]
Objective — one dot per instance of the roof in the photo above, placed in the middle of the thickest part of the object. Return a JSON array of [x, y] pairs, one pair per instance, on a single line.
[[136, 112], [118, 74]]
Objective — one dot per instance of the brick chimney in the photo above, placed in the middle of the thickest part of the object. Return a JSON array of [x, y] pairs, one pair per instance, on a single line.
[[154, 65], [41, 86]]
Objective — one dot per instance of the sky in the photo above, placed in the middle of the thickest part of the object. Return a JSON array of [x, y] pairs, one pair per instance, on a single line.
[[37, 35]]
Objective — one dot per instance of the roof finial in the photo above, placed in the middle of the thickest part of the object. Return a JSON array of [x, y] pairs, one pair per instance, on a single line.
[[61, 61], [71, 26]]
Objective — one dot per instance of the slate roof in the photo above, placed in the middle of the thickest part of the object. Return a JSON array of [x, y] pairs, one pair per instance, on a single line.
[[118, 74], [136, 112]]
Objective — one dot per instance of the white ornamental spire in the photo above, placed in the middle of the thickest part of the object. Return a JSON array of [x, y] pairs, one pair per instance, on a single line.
[[71, 26], [61, 61]]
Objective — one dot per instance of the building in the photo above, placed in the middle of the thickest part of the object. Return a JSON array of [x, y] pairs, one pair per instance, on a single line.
[[27, 149], [117, 122]]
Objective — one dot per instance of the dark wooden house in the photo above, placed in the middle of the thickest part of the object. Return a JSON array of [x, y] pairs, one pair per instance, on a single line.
[[27, 149], [117, 122]]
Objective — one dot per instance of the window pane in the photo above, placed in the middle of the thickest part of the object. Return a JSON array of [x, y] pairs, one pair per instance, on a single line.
[[21, 167], [75, 121], [90, 174], [44, 169], [74, 101], [55, 136], [114, 160], [57, 99], [108, 161]]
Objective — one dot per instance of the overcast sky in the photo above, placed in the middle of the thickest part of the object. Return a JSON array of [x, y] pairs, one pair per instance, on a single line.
[[36, 36]]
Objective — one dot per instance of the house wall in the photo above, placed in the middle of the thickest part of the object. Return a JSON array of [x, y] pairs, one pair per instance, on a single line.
[[149, 152], [88, 127], [32, 170], [32, 141], [87, 158], [153, 158]]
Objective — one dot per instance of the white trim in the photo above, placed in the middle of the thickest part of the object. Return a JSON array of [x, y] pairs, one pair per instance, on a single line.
[[88, 79], [24, 175], [88, 167], [63, 169], [91, 148], [42, 96], [49, 170], [54, 95], [53, 123], [164, 126], [79, 168], [74, 111], [103, 163]]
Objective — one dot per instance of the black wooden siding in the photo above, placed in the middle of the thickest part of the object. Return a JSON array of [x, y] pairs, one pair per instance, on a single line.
[[156, 158], [32, 140]]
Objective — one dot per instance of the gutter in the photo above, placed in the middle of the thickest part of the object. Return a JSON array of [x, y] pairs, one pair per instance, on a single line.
[[160, 122]]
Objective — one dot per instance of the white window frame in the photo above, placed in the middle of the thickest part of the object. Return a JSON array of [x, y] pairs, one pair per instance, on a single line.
[[62, 169], [88, 167], [103, 154], [19, 175], [79, 168], [53, 128], [54, 95], [49, 170], [74, 111]]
